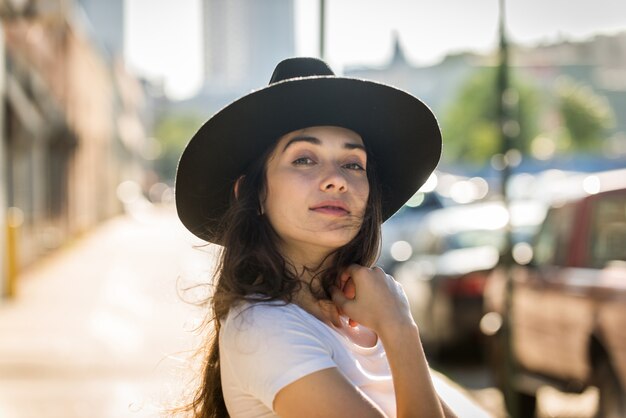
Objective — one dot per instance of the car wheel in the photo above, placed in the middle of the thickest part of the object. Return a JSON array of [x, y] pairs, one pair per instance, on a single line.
[[612, 400], [524, 404], [527, 405], [524, 407]]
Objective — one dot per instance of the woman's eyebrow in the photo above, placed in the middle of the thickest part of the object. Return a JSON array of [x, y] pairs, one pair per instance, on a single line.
[[303, 138], [351, 145], [316, 141]]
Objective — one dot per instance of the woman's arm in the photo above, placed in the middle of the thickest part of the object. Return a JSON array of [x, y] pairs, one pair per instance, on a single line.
[[325, 394], [380, 304], [415, 393]]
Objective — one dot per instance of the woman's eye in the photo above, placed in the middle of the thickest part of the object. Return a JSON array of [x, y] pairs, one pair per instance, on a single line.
[[354, 166], [303, 161]]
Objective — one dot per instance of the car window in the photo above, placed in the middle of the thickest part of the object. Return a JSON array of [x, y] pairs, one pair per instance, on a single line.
[[608, 230], [475, 238], [552, 241]]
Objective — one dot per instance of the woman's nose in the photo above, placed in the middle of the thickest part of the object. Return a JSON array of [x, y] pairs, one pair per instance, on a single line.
[[334, 180]]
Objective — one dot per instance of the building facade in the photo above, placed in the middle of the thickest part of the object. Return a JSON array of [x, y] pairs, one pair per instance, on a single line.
[[243, 40], [72, 129]]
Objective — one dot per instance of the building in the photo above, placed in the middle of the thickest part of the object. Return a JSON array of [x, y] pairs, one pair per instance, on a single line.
[[599, 62], [106, 23], [72, 130], [435, 85], [243, 40]]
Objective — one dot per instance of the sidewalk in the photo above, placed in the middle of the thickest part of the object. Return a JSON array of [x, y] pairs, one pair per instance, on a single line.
[[99, 329]]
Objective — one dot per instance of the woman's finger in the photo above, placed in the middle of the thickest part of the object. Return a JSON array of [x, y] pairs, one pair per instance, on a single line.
[[340, 300], [349, 289], [338, 297], [331, 311]]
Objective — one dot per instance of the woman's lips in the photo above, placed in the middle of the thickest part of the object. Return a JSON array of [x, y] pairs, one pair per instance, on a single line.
[[335, 208], [330, 210]]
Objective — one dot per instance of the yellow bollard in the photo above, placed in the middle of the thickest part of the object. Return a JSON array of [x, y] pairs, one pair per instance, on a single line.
[[15, 219]]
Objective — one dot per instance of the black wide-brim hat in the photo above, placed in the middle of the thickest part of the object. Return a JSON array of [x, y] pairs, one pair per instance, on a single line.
[[400, 134]]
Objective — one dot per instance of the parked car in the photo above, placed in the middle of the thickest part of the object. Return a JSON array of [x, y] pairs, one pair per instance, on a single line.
[[568, 306], [398, 230], [453, 251]]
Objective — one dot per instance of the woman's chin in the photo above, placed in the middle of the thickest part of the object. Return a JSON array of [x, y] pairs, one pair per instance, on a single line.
[[317, 245], [335, 241]]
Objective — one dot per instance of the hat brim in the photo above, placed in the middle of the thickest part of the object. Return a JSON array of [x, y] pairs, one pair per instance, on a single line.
[[400, 133]]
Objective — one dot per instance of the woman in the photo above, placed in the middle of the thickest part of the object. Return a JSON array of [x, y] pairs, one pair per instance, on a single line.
[[294, 180]]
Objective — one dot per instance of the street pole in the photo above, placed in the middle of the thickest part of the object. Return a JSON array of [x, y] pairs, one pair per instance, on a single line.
[[4, 253], [504, 107], [507, 99], [322, 28]]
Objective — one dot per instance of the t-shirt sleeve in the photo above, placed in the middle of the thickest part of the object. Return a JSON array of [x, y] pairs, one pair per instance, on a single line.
[[267, 347]]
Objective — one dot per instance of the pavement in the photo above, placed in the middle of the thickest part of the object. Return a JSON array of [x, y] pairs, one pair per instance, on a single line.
[[106, 327]]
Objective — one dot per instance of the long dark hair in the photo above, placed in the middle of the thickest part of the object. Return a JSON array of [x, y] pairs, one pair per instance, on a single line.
[[252, 268]]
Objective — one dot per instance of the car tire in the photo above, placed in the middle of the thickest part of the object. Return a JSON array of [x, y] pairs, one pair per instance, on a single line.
[[524, 403], [523, 407], [612, 399], [527, 405]]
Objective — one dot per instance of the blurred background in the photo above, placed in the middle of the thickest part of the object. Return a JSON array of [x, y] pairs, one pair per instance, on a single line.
[[513, 255]]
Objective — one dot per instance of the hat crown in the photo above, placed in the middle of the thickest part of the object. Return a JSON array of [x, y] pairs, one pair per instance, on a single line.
[[300, 67]]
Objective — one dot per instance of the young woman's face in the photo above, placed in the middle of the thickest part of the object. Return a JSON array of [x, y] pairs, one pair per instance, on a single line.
[[317, 189]]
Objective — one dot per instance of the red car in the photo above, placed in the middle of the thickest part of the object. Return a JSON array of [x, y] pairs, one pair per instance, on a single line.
[[568, 309], [453, 251]]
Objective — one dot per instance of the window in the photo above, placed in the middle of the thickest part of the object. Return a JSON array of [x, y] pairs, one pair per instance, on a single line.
[[552, 242], [608, 230]]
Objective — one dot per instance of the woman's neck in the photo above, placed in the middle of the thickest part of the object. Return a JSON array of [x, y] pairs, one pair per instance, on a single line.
[[308, 265], [326, 311], [305, 256], [309, 271]]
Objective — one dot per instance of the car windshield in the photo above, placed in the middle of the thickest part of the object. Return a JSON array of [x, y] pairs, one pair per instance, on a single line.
[[475, 238]]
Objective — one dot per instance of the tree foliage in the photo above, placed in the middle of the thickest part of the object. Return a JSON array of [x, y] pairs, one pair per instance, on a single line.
[[586, 116], [470, 125], [471, 129], [173, 131]]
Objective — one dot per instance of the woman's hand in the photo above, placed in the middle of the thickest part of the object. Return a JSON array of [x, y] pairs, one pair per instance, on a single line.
[[372, 298]]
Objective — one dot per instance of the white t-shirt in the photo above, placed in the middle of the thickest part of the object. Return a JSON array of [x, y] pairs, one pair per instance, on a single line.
[[266, 346]]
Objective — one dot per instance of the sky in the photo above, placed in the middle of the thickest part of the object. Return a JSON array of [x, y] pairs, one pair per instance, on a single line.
[[163, 37]]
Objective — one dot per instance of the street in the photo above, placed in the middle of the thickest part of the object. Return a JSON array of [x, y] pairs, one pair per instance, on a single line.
[[474, 377], [98, 328], [106, 327]]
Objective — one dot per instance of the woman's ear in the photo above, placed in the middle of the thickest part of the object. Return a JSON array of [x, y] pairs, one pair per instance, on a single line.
[[261, 209], [236, 186], [262, 196]]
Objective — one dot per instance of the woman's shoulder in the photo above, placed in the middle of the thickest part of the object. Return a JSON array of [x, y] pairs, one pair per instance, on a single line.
[[260, 308], [274, 323], [260, 314]]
